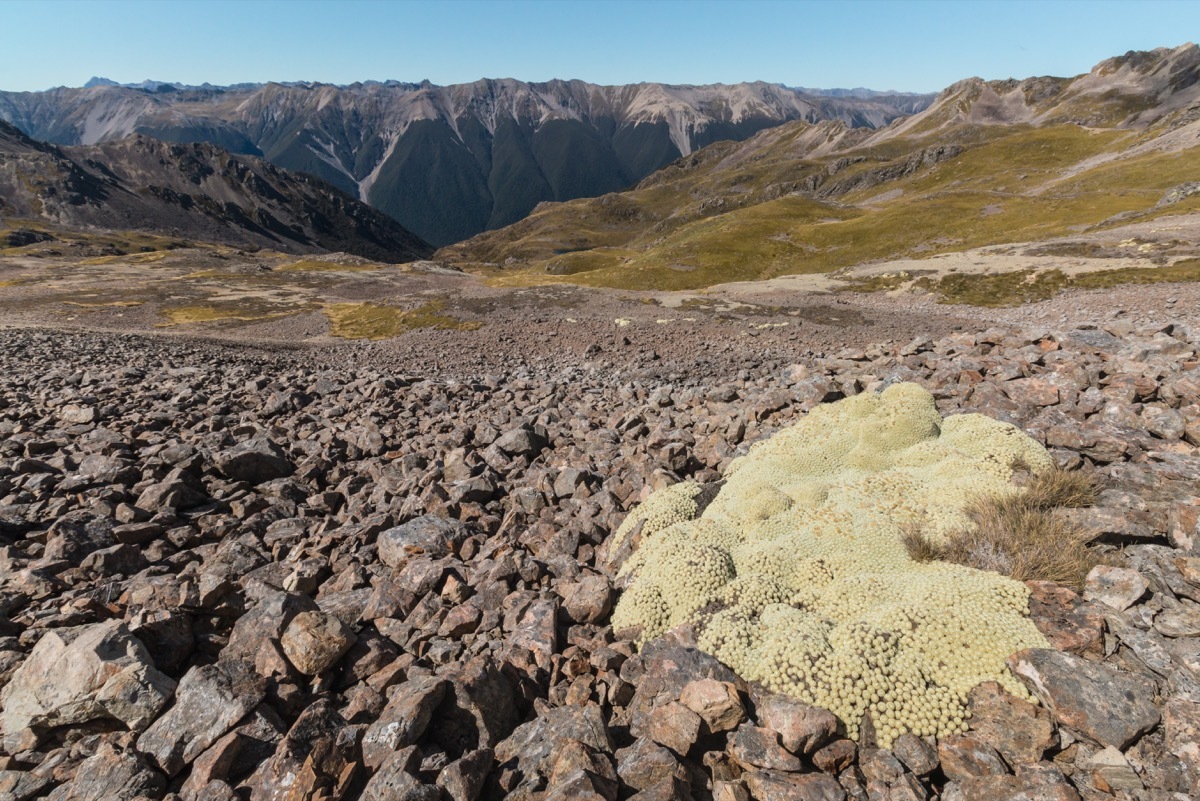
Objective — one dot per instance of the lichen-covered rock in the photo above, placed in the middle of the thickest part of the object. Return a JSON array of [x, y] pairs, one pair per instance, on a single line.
[[796, 576], [61, 681], [315, 641], [209, 701]]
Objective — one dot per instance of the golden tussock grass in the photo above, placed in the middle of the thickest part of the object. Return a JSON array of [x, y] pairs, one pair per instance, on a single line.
[[1021, 535]]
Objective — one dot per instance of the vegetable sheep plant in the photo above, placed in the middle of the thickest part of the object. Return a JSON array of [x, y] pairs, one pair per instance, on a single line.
[[796, 574]]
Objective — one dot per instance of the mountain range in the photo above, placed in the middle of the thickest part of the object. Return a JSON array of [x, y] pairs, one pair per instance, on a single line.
[[190, 191], [987, 162], [448, 162]]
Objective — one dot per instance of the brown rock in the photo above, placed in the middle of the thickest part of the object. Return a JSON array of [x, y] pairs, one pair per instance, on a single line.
[[478, 710], [1105, 705], [1042, 782], [58, 683], [208, 702], [578, 767], [460, 620], [1063, 619], [396, 780], [589, 599], [410, 707], [768, 785], [669, 668], [802, 728], [537, 631], [672, 789], [835, 757], [1117, 587], [317, 759], [314, 641], [917, 755], [266, 620], [755, 747], [1020, 731], [880, 766], [716, 702], [1031, 392], [730, 791], [1181, 728], [463, 779], [110, 775], [675, 726], [213, 765], [427, 536], [534, 744], [645, 764], [964, 756], [1111, 771]]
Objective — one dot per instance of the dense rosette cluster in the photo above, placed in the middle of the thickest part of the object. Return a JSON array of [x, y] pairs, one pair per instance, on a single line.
[[796, 575]]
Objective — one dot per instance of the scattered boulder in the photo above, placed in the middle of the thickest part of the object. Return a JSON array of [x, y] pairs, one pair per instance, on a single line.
[[256, 461], [314, 642]]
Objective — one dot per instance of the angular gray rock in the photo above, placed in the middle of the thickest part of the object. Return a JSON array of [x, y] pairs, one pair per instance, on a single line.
[[1103, 704], [209, 701], [256, 461]]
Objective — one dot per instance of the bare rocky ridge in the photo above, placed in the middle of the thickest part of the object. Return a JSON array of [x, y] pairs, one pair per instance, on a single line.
[[320, 574]]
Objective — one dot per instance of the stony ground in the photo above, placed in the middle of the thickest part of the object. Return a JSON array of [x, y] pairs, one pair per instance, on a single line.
[[377, 571]]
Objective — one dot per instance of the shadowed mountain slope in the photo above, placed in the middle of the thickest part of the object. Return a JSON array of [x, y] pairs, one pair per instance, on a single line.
[[195, 191], [447, 161]]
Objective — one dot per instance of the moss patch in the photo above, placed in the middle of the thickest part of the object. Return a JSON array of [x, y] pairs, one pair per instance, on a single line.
[[373, 321], [242, 311]]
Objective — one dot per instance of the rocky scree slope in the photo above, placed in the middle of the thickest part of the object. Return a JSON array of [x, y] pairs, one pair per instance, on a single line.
[[447, 161], [232, 573], [986, 163], [193, 191]]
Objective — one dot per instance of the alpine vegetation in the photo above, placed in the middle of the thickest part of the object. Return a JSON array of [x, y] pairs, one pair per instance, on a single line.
[[796, 574]]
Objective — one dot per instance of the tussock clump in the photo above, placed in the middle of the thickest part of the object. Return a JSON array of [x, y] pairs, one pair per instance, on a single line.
[[1022, 536]]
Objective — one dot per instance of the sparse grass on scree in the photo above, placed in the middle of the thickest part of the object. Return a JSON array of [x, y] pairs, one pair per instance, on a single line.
[[1027, 286], [1006, 186]]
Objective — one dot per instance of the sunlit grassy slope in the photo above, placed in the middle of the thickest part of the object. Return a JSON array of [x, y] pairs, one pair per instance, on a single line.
[[817, 198]]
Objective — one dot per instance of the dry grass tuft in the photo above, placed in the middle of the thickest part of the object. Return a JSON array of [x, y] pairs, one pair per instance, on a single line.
[[1021, 536], [1071, 489], [920, 547]]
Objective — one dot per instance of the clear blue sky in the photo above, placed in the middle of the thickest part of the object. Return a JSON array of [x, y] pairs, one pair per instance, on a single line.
[[917, 45]]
